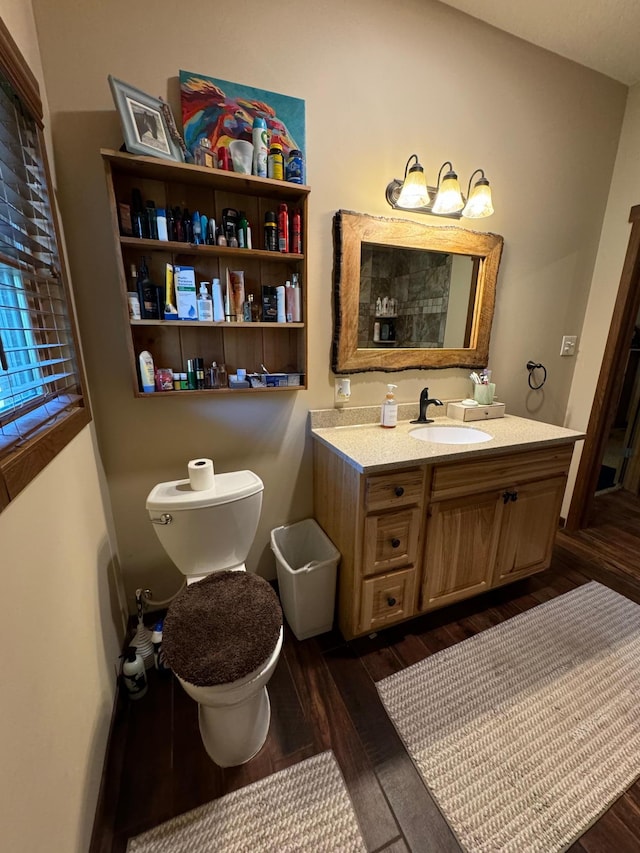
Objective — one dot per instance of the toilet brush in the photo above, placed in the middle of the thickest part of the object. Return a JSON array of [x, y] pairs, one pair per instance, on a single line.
[[142, 638]]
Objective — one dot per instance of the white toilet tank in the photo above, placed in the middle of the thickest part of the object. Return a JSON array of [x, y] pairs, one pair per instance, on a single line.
[[207, 531]]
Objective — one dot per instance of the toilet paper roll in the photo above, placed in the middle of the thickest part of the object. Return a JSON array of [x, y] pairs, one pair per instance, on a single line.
[[201, 474]]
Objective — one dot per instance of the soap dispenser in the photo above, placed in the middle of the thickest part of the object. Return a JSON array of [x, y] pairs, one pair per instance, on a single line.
[[389, 409]]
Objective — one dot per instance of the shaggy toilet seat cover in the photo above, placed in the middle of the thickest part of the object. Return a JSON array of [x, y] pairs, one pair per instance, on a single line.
[[221, 628]]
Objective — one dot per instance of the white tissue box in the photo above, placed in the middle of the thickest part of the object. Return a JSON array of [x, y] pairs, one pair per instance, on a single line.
[[475, 413]]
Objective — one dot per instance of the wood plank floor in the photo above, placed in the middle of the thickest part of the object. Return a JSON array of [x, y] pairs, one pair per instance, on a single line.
[[323, 696]]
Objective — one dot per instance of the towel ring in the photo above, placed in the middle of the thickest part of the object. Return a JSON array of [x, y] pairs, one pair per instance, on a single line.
[[531, 366]]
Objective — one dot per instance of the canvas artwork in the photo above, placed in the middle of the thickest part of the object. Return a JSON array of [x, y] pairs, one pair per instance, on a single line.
[[220, 111]]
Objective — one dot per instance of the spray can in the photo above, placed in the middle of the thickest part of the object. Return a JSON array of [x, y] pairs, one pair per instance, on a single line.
[[275, 162], [133, 674], [294, 169], [260, 150], [296, 233], [283, 228], [270, 231]]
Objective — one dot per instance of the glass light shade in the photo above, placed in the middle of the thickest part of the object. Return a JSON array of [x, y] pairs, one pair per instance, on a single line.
[[414, 189], [479, 203], [449, 197]]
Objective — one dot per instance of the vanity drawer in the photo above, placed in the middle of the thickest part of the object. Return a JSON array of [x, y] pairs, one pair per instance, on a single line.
[[394, 488], [387, 599], [390, 540], [465, 478]]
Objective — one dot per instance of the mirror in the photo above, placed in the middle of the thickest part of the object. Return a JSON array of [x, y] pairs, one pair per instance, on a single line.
[[409, 295]]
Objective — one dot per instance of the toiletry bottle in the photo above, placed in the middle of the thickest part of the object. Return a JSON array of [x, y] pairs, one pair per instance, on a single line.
[[288, 301], [133, 674], [283, 227], [171, 224], [259, 139], [138, 215], [147, 372], [270, 231], [205, 305], [196, 228], [161, 223], [199, 368], [297, 298], [149, 294], [178, 232], [296, 233], [242, 230], [275, 162], [389, 409], [159, 660], [187, 228], [152, 221], [191, 374], [294, 169]]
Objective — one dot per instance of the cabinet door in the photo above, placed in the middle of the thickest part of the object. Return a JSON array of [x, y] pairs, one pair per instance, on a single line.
[[461, 547], [390, 541], [528, 530]]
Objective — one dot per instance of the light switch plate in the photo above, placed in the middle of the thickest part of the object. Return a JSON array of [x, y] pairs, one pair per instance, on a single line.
[[568, 345]]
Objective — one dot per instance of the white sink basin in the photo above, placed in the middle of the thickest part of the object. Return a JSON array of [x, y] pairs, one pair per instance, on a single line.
[[450, 434]]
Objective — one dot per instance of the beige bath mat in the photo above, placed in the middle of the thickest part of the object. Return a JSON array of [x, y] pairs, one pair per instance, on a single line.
[[305, 808], [526, 733]]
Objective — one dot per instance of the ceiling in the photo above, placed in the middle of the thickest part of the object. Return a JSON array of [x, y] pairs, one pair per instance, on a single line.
[[602, 36]]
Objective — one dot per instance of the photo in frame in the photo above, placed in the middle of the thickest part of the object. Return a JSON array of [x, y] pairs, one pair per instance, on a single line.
[[143, 121]]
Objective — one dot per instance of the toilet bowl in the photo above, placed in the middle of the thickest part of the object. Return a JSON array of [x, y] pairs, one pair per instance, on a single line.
[[223, 632]]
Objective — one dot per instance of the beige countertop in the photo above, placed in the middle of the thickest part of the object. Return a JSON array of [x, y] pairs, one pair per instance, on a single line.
[[369, 447]]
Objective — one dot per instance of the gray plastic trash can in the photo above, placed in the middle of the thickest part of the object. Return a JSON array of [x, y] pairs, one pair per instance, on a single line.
[[307, 563]]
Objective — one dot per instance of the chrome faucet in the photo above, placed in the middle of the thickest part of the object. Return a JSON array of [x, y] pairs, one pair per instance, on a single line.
[[425, 402]]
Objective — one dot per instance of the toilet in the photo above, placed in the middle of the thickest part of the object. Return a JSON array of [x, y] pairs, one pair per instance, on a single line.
[[223, 632]]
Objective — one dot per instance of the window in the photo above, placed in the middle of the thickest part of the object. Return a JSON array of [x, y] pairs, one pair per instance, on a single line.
[[42, 405]]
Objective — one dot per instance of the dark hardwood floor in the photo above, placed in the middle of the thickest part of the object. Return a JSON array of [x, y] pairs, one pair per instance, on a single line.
[[323, 696]]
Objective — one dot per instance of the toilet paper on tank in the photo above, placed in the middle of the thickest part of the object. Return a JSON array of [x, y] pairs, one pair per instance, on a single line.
[[201, 474]]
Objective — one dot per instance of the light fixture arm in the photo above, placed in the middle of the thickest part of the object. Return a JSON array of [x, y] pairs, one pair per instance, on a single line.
[[483, 177], [406, 168], [446, 163]]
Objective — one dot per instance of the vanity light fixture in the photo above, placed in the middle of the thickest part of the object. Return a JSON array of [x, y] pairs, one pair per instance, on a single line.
[[412, 193]]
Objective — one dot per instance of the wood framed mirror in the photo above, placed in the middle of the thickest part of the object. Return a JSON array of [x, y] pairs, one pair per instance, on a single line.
[[408, 295]]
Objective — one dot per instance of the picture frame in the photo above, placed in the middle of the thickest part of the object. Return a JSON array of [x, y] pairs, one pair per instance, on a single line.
[[144, 124]]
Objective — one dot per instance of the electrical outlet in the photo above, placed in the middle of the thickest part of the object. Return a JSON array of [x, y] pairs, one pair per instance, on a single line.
[[342, 390], [568, 345]]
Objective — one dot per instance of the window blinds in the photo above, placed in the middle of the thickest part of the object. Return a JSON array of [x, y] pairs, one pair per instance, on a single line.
[[39, 375]]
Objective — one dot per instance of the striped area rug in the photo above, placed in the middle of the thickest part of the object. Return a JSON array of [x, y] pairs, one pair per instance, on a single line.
[[527, 732], [305, 808]]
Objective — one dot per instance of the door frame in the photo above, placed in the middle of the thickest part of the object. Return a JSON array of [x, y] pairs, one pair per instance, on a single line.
[[609, 385]]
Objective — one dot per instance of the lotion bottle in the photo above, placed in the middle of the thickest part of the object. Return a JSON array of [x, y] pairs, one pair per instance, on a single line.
[[204, 304], [389, 409], [147, 372]]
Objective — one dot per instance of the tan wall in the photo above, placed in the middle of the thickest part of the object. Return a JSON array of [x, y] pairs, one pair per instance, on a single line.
[[380, 81], [624, 194], [60, 628]]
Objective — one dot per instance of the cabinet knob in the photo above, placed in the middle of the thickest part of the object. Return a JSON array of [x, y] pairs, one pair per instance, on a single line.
[[509, 496], [399, 491], [514, 496], [395, 543], [391, 601]]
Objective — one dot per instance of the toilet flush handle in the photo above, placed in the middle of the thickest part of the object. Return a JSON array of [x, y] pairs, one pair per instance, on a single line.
[[165, 518]]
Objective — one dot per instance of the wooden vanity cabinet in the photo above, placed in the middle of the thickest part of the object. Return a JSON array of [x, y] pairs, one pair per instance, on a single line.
[[490, 522], [417, 538]]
